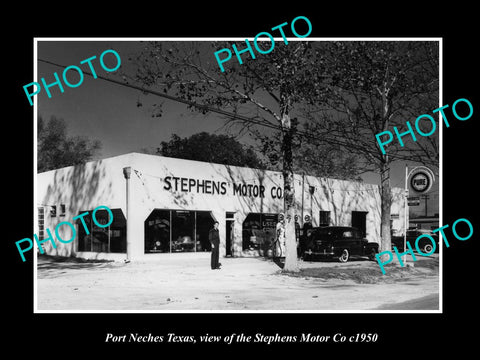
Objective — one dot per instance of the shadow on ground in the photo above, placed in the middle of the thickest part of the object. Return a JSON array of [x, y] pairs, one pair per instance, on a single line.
[[47, 262], [369, 273]]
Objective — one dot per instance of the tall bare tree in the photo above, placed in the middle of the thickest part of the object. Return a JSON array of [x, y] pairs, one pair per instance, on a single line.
[[371, 87], [312, 155], [265, 91]]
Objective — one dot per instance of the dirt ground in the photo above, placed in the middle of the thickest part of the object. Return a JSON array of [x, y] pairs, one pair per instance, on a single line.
[[185, 282]]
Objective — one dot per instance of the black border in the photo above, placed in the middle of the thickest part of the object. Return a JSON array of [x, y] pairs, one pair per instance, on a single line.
[[408, 334]]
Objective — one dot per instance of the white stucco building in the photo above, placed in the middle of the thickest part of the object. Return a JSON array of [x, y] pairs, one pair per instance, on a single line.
[[172, 204]]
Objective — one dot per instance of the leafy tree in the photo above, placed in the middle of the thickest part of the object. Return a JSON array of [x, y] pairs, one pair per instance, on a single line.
[[220, 149], [56, 149]]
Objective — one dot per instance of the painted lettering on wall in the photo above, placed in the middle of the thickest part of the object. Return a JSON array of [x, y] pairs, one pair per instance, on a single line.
[[194, 185], [182, 184]]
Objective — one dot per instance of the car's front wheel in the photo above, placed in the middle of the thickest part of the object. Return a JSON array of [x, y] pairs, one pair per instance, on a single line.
[[344, 257]]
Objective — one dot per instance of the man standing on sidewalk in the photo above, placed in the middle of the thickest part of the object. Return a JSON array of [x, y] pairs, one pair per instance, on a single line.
[[214, 238]]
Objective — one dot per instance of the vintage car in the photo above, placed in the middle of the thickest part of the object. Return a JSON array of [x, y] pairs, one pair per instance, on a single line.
[[424, 244], [339, 242], [183, 244]]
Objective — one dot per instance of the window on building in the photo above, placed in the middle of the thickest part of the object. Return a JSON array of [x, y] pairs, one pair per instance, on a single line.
[[251, 229], [157, 232], [62, 209], [84, 239], [177, 231], [183, 231], [112, 238], [324, 218], [117, 232], [41, 222], [258, 231], [204, 223], [53, 211]]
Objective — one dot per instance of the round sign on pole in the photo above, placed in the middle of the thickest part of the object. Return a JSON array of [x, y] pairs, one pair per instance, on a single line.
[[421, 180]]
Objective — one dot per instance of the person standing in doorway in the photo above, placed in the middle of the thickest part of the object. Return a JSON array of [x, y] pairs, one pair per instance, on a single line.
[[214, 238]]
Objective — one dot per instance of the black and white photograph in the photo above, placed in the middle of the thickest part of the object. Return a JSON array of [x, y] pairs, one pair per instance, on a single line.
[[278, 152], [191, 179]]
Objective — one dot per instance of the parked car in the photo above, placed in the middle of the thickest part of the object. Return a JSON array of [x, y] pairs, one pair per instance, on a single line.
[[339, 242], [183, 244], [253, 238], [424, 244]]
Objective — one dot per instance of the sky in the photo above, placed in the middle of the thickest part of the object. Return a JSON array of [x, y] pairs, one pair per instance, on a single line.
[[108, 112]]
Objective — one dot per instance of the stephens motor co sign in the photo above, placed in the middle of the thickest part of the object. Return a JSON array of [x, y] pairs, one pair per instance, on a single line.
[[183, 184]]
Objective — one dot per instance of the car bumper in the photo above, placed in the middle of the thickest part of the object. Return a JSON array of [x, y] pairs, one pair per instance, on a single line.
[[323, 252]]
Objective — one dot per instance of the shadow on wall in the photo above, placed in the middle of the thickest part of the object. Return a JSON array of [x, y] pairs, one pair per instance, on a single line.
[[80, 188], [332, 191], [255, 177], [184, 200], [339, 197], [342, 195]]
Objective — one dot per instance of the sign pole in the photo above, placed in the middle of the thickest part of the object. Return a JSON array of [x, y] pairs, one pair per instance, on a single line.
[[128, 208], [422, 179]]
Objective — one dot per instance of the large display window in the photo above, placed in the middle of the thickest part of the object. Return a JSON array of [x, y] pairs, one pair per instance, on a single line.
[[183, 231], [204, 223], [174, 231], [157, 232], [112, 238], [258, 231]]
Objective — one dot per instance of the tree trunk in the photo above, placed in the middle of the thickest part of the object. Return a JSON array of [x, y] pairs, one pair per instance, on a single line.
[[386, 193], [291, 263], [386, 203]]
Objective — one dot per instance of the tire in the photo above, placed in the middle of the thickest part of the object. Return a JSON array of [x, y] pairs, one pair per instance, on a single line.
[[371, 255], [344, 257], [427, 248]]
